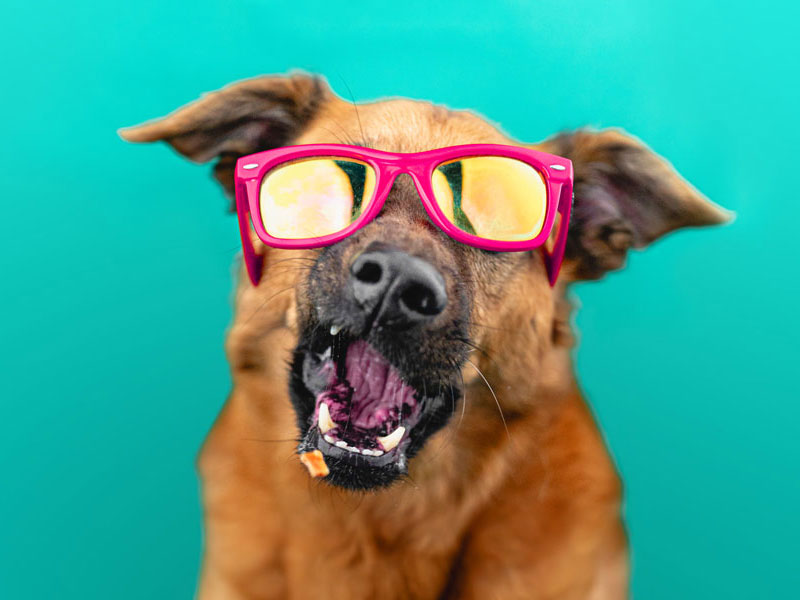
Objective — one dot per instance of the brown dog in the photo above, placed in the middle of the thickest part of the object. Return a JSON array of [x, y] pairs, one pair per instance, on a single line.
[[503, 488]]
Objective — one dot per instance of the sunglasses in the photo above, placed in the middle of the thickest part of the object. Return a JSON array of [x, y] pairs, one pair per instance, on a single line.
[[490, 196]]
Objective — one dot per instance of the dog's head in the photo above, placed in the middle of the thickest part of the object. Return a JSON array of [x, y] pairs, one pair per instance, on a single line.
[[393, 322]]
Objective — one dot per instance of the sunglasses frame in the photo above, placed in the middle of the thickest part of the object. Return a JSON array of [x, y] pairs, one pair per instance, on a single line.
[[556, 171]]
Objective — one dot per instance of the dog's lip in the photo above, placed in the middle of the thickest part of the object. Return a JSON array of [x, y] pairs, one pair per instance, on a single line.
[[316, 440]]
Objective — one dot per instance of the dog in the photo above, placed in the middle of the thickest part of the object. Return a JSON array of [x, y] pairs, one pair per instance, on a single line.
[[503, 487]]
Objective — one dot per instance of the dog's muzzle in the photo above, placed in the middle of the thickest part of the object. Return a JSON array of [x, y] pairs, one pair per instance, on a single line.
[[367, 400]]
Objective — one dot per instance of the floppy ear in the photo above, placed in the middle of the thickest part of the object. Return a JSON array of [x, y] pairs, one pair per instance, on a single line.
[[242, 118], [626, 196]]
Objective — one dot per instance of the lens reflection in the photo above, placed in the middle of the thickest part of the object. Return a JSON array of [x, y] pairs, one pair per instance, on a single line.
[[493, 197], [314, 197]]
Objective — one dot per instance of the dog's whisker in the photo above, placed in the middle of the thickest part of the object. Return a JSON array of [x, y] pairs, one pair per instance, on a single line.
[[287, 269], [334, 134], [280, 260], [499, 408], [475, 348], [270, 273], [267, 301], [502, 329], [355, 107], [463, 399], [309, 265]]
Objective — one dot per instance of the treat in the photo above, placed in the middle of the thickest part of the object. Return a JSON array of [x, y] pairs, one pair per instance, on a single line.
[[315, 463]]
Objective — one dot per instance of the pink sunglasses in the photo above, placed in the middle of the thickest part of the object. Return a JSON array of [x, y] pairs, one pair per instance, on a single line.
[[490, 196]]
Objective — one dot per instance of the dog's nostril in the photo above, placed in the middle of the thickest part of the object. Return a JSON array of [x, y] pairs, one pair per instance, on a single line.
[[420, 299], [369, 272]]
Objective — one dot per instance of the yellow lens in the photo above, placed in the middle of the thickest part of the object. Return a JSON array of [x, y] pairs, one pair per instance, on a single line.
[[314, 197], [492, 197]]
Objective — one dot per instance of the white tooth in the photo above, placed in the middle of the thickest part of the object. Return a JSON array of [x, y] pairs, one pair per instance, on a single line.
[[366, 452], [324, 422], [325, 355], [377, 453], [335, 329], [341, 444], [389, 442], [329, 439]]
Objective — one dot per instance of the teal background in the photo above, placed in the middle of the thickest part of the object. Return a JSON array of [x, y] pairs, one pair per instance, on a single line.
[[115, 299]]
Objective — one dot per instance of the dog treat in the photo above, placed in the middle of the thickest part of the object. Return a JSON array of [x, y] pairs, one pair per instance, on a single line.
[[315, 463]]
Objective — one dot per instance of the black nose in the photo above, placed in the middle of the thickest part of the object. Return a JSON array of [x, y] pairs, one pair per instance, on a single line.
[[396, 289]]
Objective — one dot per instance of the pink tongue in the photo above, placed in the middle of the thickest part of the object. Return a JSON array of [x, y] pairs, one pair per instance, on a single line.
[[378, 392]]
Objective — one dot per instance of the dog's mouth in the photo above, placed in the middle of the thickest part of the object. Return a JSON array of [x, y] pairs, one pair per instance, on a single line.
[[365, 408], [367, 418]]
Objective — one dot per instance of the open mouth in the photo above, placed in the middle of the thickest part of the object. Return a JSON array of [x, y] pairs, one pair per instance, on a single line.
[[364, 410]]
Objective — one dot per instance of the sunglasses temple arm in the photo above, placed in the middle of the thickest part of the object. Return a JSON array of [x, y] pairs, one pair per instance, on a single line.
[[252, 260], [553, 260]]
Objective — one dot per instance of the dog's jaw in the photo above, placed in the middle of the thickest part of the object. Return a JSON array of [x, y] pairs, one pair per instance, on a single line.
[[357, 409]]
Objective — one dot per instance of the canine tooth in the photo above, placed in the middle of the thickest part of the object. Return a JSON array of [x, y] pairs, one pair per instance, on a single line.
[[341, 444], [325, 355], [335, 329], [329, 438], [389, 442], [377, 453], [324, 422]]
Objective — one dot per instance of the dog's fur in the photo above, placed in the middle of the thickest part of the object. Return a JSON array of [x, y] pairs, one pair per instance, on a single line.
[[515, 496]]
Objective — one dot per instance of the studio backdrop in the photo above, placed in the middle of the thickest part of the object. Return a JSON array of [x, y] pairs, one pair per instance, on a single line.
[[116, 298]]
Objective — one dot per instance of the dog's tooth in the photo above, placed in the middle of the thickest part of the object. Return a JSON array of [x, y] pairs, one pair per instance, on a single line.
[[325, 355], [389, 442], [324, 422], [329, 438], [377, 453], [335, 329], [341, 444]]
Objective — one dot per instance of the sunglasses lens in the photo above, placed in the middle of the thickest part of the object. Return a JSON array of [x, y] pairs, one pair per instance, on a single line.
[[492, 197], [314, 197]]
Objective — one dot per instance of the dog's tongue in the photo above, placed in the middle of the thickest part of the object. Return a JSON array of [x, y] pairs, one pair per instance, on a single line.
[[378, 392]]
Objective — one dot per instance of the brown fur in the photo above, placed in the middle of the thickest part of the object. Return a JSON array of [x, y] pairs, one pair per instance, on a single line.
[[531, 511]]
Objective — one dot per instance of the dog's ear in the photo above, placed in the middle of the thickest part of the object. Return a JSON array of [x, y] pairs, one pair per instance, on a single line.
[[626, 196], [242, 118]]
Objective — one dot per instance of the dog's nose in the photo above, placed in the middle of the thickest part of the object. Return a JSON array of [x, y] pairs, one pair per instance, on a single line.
[[396, 289]]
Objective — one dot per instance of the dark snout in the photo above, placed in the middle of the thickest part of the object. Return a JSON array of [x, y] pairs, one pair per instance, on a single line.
[[395, 289], [381, 351]]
